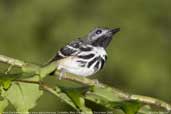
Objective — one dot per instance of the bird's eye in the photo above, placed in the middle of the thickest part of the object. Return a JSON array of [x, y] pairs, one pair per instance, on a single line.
[[98, 31]]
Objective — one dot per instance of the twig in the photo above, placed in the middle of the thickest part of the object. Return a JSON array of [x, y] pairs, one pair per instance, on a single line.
[[123, 95], [11, 61], [151, 101]]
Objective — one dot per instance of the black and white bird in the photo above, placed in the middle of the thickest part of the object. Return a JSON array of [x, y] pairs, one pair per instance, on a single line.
[[85, 56]]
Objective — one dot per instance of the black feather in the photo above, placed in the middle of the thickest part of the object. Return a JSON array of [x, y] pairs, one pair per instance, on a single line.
[[102, 63], [97, 65], [86, 56], [85, 48], [92, 61], [66, 51]]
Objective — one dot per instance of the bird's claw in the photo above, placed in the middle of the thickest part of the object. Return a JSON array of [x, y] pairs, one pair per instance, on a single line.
[[96, 81]]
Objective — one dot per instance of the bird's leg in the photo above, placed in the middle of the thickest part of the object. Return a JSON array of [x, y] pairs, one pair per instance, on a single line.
[[62, 73], [96, 81]]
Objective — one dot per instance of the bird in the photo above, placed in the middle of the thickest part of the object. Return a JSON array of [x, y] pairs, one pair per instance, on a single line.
[[87, 55]]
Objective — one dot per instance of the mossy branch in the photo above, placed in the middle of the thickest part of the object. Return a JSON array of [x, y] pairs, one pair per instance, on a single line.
[[47, 69]]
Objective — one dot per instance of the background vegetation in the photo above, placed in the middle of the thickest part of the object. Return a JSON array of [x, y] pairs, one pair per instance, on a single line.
[[139, 58]]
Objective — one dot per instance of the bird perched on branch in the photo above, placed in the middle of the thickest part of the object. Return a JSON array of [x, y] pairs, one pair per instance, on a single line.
[[85, 56]]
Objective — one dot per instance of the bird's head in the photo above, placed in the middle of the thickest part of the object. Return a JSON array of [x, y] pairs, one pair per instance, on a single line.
[[101, 37]]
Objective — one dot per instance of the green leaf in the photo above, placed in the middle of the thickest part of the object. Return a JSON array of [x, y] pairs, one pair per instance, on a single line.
[[106, 98], [3, 105], [106, 93], [23, 96], [130, 107], [147, 109], [30, 68], [64, 97], [76, 96], [44, 71], [41, 71], [6, 84], [6, 79]]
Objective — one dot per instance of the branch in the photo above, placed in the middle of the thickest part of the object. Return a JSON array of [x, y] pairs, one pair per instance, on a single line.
[[11, 61], [82, 80], [121, 94]]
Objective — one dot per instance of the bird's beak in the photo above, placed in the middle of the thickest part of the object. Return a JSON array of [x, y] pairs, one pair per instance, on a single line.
[[113, 31]]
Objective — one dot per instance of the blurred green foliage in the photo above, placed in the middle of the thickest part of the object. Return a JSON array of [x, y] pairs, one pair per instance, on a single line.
[[139, 56]]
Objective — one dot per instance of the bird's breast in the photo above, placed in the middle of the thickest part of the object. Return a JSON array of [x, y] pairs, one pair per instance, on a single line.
[[85, 63]]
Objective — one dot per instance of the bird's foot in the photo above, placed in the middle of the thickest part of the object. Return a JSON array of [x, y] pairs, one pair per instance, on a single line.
[[62, 74], [96, 81]]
